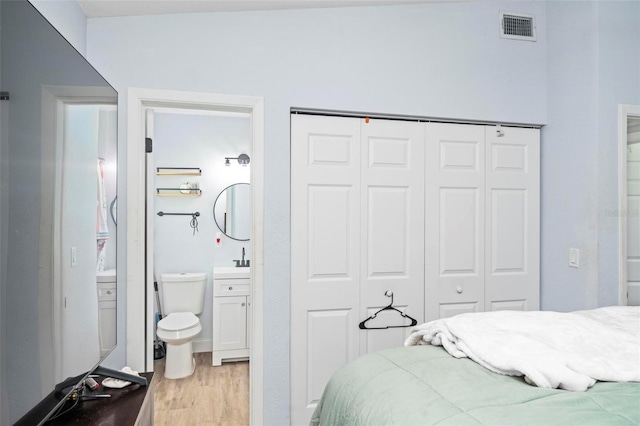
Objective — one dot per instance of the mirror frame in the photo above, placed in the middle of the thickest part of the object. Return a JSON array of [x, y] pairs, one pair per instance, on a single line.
[[41, 91], [113, 210], [214, 212]]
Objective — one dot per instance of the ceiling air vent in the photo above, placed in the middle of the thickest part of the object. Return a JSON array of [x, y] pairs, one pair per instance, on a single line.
[[517, 26]]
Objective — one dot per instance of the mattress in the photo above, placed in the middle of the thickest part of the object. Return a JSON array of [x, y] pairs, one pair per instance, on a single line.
[[424, 385]]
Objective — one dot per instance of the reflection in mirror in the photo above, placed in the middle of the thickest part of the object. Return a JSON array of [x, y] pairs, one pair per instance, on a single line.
[[113, 210], [86, 168], [58, 247], [232, 211]]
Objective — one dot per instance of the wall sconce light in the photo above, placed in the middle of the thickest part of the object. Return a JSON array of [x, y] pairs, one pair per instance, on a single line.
[[243, 160]]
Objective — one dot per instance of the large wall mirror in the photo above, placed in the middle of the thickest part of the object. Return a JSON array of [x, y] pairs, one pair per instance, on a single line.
[[58, 176], [232, 211]]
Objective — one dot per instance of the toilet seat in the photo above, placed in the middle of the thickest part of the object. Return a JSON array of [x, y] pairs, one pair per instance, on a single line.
[[178, 321], [180, 328]]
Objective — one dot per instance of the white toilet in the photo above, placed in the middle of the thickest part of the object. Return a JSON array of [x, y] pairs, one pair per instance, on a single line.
[[183, 298]]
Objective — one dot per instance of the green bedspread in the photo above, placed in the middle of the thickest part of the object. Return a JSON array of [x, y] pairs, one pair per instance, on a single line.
[[424, 385]]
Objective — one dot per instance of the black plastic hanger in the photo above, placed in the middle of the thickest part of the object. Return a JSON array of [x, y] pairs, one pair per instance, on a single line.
[[389, 307]]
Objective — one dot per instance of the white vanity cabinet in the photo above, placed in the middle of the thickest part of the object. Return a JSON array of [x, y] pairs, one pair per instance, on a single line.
[[106, 281], [231, 314]]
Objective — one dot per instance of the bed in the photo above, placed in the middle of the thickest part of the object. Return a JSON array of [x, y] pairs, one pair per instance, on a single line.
[[426, 385]]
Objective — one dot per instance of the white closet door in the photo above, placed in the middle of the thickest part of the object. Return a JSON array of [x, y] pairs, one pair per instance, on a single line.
[[392, 238], [454, 220], [325, 254], [512, 252]]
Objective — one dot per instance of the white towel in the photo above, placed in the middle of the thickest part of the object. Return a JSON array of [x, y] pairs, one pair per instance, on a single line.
[[110, 382], [102, 227], [551, 349]]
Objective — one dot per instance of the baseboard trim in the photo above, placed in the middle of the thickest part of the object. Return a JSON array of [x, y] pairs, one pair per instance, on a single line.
[[204, 345]]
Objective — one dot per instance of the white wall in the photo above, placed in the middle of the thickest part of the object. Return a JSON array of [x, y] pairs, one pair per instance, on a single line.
[[68, 18], [196, 141], [593, 57], [450, 63], [618, 83], [107, 149], [569, 160], [433, 60], [79, 192]]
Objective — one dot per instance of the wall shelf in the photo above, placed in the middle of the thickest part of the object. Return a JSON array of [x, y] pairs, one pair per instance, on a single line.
[[178, 171], [178, 192], [186, 189]]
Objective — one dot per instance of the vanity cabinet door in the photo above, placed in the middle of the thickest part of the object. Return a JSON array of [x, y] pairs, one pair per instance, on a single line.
[[107, 321], [230, 323]]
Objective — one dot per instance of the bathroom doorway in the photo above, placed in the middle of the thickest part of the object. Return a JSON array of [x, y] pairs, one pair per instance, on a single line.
[[200, 195], [195, 231], [79, 147]]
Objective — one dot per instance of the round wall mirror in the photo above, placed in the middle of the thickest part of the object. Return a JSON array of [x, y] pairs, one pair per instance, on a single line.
[[232, 211], [113, 207]]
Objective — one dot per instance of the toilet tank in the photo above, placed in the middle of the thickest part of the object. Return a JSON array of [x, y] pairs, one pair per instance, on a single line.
[[183, 292]]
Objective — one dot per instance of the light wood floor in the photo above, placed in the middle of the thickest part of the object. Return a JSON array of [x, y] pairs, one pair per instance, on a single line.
[[211, 396]]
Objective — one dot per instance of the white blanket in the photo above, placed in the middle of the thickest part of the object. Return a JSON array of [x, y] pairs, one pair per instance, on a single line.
[[551, 349]]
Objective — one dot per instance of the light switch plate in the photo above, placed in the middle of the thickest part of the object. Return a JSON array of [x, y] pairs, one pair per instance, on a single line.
[[574, 258]]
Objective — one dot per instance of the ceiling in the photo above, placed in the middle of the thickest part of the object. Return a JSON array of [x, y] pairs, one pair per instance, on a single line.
[[104, 8]]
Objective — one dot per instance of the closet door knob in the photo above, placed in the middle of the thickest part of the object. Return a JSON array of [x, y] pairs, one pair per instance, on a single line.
[[242, 304], [459, 290], [230, 288], [108, 291]]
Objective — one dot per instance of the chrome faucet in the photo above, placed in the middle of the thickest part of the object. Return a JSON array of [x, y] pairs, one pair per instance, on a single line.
[[242, 263]]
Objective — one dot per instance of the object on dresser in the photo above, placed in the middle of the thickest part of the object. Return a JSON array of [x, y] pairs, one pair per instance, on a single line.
[[132, 405], [114, 383]]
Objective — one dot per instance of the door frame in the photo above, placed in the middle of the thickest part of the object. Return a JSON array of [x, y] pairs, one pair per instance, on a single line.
[[139, 345], [54, 99], [624, 112]]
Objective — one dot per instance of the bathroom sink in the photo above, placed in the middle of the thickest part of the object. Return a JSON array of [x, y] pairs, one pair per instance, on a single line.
[[231, 272]]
